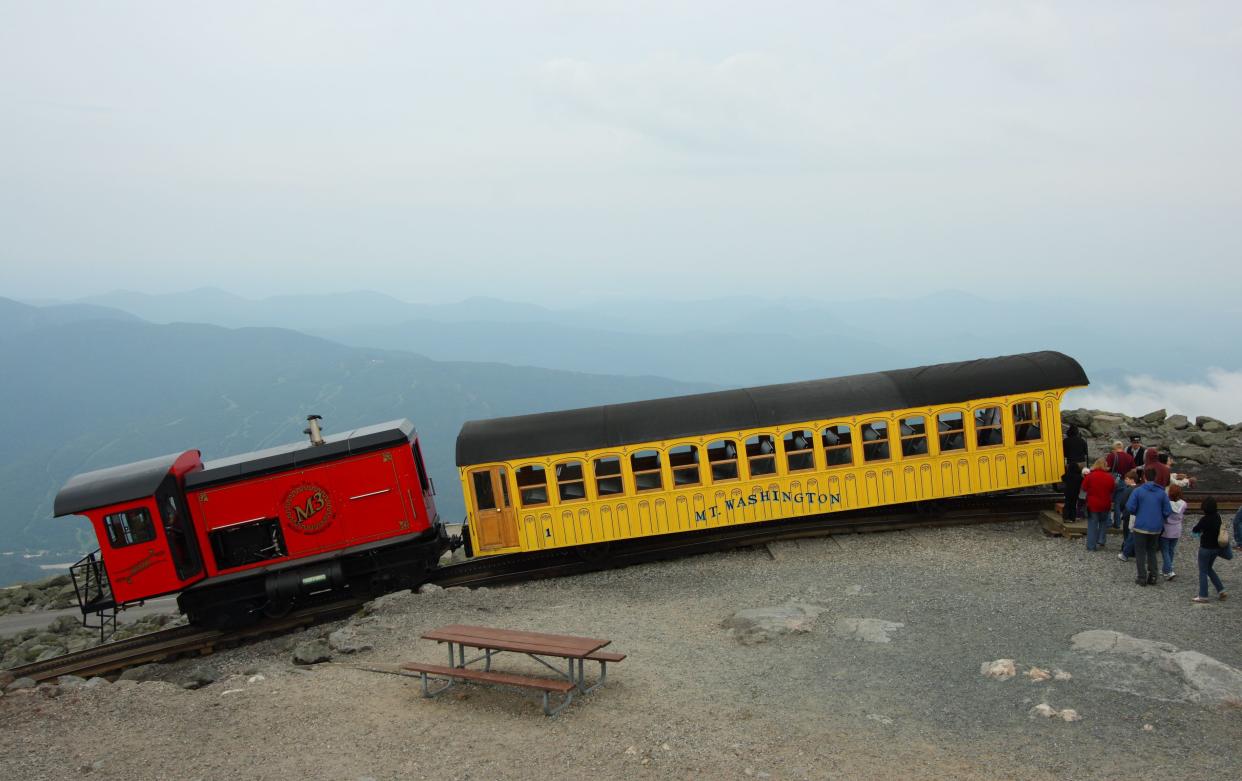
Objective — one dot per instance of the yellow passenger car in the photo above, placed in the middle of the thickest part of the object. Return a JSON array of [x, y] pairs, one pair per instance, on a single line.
[[621, 471]]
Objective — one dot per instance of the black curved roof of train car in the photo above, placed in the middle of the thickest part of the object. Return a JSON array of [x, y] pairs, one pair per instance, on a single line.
[[302, 453], [112, 485], [614, 425]]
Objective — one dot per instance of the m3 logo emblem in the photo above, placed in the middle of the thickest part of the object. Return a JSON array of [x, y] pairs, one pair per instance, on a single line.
[[308, 508]]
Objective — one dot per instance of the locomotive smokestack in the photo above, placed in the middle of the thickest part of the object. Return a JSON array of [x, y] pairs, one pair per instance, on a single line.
[[316, 436]]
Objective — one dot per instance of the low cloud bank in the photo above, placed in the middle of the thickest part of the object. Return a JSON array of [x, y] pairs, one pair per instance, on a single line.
[[1219, 396]]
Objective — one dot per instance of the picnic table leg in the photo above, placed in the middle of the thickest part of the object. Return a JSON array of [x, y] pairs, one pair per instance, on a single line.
[[461, 654], [550, 711], [427, 692], [603, 676], [450, 647], [487, 665]]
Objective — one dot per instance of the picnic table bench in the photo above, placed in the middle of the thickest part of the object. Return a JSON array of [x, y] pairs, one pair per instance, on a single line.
[[536, 645]]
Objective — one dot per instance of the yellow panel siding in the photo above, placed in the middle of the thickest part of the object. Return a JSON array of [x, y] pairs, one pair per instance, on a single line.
[[785, 494]]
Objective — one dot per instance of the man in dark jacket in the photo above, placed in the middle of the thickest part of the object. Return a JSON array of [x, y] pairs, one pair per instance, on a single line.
[[1136, 450], [1075, 448], [1149, 505]]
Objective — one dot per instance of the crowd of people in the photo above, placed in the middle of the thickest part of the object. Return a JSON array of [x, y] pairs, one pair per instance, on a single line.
[[1133, 489]]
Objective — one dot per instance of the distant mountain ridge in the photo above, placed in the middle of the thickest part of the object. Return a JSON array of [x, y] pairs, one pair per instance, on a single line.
[[92, 393]]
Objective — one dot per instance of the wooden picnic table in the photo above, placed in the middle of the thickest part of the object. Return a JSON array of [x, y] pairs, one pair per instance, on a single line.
[[536, 645]]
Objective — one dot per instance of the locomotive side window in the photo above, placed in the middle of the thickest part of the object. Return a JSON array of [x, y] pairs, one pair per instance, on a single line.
[[875, 440], [799, 452], [1026, 421], [646, 466], [532, 485], [484, 496], [838, 445], [722, 456], [988, 427], [608, 476], [913, 436], [761, 455], [570, 482], [951, 426], [129, 527], [684, 461]]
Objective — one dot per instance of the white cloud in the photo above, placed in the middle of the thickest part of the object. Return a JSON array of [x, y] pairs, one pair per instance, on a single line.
[[1219, 396]]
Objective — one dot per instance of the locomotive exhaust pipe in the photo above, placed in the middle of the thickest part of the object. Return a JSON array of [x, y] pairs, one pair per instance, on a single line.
[[316, 436]]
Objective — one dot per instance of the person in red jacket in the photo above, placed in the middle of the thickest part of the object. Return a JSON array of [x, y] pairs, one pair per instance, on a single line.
[[1152, 461], [1119, 463], [1099, 486]]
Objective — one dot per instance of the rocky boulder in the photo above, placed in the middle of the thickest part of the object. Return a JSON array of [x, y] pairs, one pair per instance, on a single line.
[[1177, 422], [1189, 452], [1206, 679], [312, 652], [1155, 418], [1206, 423], [346, 640], [761, 624]]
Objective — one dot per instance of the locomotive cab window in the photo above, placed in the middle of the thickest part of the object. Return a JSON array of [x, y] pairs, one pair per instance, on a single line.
[[722, 457], [913, 436], [129, 527], [988, 427], [838, 445], [951, 428], [761, 455], [532, 485], [570, 482], [684, 461], [799, 450], [1026, 421], [646, 466], [423, 479], [875, 441], [608, 476]]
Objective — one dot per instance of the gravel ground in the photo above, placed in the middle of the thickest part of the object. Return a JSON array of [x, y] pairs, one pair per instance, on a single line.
[[692, 701]]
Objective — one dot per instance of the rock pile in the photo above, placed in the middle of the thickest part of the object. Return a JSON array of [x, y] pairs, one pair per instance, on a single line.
[[65, 635], [54, 593], [1204, 440]]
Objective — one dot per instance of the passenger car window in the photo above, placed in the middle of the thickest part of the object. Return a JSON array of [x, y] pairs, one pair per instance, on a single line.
[[570, 483], [129, 527], [646, 467], [684, 461], [1026, 421], [532, 485], [722, 457], [875, 440], [838, 445], [951, 427], [913, 436], [608, 476], [761, 455], [799, 450], [988, 427]]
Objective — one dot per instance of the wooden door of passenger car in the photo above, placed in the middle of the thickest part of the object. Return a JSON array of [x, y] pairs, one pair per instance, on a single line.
[[493, 509]]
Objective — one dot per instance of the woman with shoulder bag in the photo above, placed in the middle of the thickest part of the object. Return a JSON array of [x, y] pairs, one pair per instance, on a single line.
[[1211, 547]]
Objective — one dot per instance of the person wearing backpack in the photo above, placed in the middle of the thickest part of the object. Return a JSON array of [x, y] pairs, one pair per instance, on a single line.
[[1213, 544], [1150, 506]]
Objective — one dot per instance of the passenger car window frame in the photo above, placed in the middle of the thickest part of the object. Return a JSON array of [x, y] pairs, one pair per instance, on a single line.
[[697, 466], [737, 468], [904, 439], [619, 476], [659, 470], [1000, 425], [848, 447], [581, 479], [521, 489], [750, 474], [1036, 421], [809, 450], [940, 448], [886, 440]]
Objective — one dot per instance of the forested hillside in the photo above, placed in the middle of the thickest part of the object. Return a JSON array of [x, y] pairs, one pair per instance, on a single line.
[[97, 392]]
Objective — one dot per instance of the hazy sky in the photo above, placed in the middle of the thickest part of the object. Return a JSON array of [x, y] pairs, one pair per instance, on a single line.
[[537, 149]]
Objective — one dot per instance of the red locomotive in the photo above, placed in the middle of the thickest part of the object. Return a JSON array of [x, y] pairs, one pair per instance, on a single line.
[[258, 533]]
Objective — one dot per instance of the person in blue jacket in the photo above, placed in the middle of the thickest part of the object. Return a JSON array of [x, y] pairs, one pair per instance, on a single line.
[[1149, 505]]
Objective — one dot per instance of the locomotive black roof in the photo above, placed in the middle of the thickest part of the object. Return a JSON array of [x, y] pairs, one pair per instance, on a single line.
[[613, 425], [303, 453], [114, 484]]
